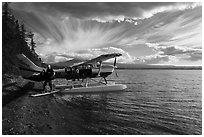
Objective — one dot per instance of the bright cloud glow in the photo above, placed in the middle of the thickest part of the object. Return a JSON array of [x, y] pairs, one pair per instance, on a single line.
[[161, 33], [178, 6]]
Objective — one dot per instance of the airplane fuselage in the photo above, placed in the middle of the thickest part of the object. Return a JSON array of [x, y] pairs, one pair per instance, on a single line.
[[72, 74], [89, 69]]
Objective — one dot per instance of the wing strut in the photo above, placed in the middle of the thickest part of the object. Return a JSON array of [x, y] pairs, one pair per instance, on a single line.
[[99, 71], [105, 80]]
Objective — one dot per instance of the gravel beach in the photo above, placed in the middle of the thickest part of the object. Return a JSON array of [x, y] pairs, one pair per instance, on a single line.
[[22, 114]]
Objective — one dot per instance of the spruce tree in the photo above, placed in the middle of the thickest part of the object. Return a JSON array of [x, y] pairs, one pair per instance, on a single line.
[[14, 41]]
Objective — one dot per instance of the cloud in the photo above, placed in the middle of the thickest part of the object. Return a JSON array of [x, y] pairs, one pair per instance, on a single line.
[[184, 53], [172, 50], [180, 28], [193, 56], [165, 27], [170, 31], [73, 34], [87, 55], [102, 10], [155, 59]]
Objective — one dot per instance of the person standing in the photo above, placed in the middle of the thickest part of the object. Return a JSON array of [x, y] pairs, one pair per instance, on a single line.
[[49, 76]]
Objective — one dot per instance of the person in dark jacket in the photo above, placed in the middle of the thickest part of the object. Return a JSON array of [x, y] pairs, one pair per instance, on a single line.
[[49, 76]]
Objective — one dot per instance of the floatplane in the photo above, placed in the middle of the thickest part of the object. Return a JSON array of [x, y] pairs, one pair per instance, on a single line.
[[92, 70]]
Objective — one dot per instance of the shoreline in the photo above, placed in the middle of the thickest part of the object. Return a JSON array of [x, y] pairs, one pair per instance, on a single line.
[[24, 115]]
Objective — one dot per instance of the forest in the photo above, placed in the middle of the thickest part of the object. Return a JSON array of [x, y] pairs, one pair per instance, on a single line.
[[16, 39]]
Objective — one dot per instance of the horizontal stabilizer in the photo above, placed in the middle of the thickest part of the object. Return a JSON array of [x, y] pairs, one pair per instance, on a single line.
[[27, 64]]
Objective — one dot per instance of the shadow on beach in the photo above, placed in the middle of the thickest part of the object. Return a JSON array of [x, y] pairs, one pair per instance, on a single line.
[[12, 91]]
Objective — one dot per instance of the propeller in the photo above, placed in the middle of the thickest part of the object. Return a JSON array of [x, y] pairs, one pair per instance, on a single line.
[[114, 63]]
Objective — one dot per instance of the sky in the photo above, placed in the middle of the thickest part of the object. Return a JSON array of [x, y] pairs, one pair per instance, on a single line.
[[144, 33]]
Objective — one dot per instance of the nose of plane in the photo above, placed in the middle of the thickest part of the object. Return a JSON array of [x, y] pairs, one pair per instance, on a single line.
[[118, 54]]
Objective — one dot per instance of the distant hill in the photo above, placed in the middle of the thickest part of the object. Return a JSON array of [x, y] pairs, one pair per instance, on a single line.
[[146, 66]]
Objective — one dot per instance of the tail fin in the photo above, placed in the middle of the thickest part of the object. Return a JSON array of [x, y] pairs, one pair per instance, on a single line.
[[27, 65]]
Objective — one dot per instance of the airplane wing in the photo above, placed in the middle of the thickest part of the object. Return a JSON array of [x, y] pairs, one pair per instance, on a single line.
[[27, 64], [101, 58]]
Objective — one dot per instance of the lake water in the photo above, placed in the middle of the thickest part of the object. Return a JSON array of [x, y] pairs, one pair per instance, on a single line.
[[155, 102]]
